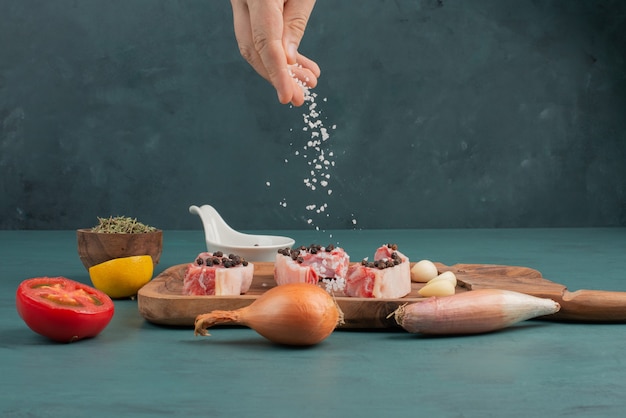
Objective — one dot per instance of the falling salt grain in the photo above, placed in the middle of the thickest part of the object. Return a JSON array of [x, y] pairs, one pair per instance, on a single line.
[[319, 159]]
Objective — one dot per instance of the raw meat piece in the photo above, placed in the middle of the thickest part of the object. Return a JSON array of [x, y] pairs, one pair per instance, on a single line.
[[310, 264], [219, 275], [387, 277]]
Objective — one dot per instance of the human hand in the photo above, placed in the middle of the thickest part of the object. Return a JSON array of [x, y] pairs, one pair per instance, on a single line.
[[268, 33]]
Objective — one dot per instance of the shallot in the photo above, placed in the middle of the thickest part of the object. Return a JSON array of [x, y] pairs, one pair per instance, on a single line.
[[473, 312], [291, 314]]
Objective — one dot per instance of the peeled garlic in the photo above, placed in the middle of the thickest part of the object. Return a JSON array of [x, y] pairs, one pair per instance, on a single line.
[[423, 271], [437, 288], [446, 276]]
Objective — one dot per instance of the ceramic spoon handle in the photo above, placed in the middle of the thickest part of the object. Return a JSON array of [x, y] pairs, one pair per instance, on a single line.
[[593, 306]]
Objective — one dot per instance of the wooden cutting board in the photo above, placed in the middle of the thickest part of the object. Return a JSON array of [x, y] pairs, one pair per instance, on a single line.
[[161, 300]]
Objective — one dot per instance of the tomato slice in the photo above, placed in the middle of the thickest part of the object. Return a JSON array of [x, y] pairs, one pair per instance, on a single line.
[[62, 309]]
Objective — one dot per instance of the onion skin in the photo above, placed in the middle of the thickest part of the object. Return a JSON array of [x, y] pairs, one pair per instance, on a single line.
[[292, 314], [473, 312]]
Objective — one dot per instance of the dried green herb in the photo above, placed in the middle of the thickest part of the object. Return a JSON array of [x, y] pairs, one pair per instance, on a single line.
[[121, 225]]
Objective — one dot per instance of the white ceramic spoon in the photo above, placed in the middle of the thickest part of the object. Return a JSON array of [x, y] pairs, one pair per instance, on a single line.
[[221, 237]]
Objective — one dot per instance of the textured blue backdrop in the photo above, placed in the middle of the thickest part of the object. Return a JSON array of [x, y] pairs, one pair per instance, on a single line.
[[447, 114]]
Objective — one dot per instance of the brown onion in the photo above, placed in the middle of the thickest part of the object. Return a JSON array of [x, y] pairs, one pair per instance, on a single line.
[[291, 314]]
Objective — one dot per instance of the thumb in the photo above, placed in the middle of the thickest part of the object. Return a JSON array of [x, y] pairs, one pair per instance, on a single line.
[[295, 18]]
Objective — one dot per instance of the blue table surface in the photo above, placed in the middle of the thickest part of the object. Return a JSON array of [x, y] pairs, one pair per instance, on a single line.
[[135, 368]]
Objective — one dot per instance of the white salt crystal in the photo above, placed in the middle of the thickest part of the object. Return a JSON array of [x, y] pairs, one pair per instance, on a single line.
[[316, 157]]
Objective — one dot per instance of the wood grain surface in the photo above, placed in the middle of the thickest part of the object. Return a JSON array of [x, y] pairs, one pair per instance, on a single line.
[[161, 301]]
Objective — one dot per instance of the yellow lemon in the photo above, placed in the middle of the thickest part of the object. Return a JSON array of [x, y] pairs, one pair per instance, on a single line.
[[122, 277]]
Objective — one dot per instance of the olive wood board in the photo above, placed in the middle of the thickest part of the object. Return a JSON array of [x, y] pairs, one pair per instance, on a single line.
[[161, 300]]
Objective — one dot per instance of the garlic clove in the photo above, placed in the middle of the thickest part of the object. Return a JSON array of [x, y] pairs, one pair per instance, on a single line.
[[423, 271], [437, 288], [446, 275]]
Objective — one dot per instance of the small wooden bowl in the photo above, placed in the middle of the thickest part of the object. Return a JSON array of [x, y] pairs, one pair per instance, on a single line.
[[98, 247]]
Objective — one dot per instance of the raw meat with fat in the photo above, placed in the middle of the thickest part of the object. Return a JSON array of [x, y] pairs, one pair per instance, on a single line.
[[387, 277], [310, 264], [219, 275]]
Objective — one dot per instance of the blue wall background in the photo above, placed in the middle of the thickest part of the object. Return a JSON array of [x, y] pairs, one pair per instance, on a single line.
[[481, 113]]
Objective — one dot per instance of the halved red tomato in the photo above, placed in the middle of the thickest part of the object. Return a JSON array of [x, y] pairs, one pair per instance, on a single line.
[[62, 309]]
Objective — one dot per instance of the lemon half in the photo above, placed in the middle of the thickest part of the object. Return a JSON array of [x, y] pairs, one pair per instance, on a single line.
[[122, 277]]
